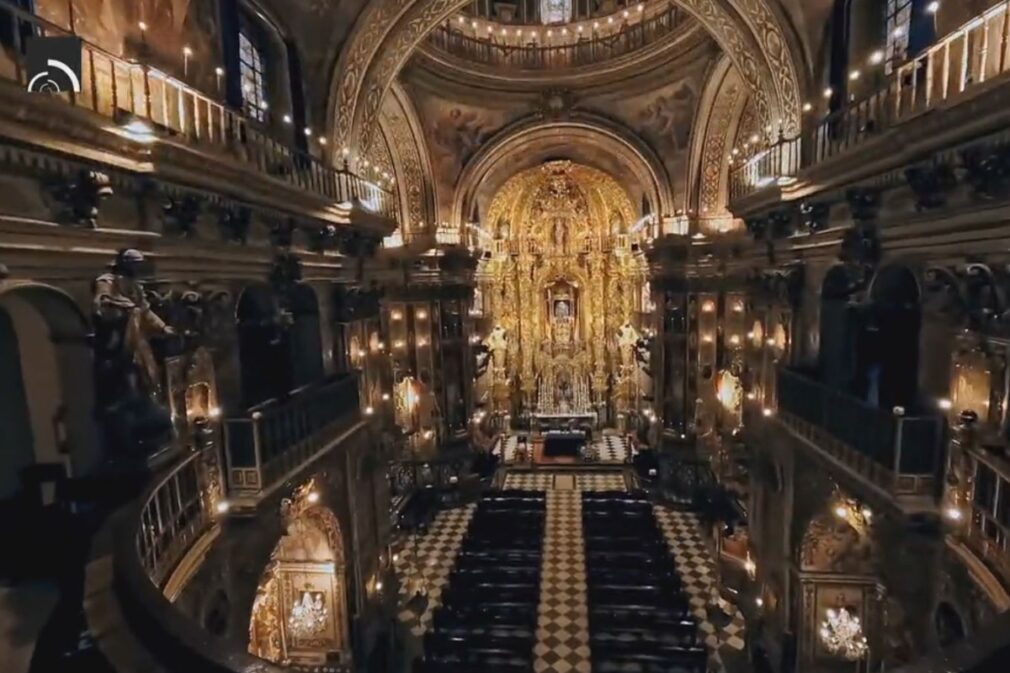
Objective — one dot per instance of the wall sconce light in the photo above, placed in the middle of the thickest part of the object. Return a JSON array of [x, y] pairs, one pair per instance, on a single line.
[[385, 397], [953, 513], [395, 315], [214, 412], [708, 306], [735, 340], [421, 315], [707, 338], [223, 506], [313, 497], [369, 411], [770, 341], [944, 404], [766, 412]]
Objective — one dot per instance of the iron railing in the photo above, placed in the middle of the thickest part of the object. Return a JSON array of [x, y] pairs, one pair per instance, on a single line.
[[279, 436], [173, 517], [957, 64], [537, 56], [900, 453], [125, 90], [988, 532]]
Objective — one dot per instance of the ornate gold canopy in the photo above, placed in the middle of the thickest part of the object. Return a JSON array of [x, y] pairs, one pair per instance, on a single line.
[[564, 280]]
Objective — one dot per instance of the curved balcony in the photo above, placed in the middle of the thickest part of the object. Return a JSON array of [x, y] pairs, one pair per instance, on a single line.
[[961, 66], [163, 538], [589, 47], [151, 107]]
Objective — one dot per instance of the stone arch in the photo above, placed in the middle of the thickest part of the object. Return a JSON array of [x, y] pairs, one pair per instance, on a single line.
[[388, 31], [306, 338], [410, 160], [529, 141], [891, 336], [309, 558], [721, 109], [47, 407]]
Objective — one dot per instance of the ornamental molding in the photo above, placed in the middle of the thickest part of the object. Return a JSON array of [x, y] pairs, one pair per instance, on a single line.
[[390, 30]]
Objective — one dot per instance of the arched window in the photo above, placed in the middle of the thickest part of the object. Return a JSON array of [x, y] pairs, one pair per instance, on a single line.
[[252, 72], [555, 11]]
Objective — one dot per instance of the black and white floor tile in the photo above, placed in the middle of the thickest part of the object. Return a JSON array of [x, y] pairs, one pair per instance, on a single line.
[[430, 567], [563, 622], [612, 448], [584, 481], [697, 571], [606, 448]]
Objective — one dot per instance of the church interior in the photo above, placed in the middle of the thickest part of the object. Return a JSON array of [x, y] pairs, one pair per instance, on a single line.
[[504, 336]]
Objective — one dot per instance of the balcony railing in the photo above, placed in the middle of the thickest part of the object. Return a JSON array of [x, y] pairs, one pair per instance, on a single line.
[[171, 520], [900, 454], [957, 64], [988, 532], [279, 436], [534, 56], [122, 90]]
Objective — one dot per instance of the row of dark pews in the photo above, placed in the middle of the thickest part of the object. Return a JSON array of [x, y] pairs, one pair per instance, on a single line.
[[639, 618], [488, 619]]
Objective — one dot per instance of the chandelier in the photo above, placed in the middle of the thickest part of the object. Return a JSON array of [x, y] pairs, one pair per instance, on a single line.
[[308, 616], [842, 634]]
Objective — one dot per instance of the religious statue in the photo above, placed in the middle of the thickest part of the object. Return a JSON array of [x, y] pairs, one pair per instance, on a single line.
[[497, 343], [627, 342], [560, 234], [127, 375], [616, 223], [562, 322]]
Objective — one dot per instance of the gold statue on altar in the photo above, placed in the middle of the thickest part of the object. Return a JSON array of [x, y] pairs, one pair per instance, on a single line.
[[564, 296]]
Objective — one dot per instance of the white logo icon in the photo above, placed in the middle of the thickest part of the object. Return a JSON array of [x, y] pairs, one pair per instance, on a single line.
[[44, 81]]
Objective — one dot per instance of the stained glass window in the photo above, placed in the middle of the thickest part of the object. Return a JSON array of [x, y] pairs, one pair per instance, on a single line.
[[251, 69], [555, 11]]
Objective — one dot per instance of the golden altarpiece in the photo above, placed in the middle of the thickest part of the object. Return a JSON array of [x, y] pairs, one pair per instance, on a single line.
[[562, 291]]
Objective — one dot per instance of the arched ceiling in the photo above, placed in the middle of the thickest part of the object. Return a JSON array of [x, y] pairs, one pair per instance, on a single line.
[[584, 139], [751, 32]]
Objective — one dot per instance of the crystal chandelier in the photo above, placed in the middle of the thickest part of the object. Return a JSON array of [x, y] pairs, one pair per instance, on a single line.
[[308, 616], [842, 634]]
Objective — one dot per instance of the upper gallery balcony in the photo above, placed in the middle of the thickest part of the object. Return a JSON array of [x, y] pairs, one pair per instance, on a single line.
[[898, 453], [889, 127], [130, 115], [533, 48]]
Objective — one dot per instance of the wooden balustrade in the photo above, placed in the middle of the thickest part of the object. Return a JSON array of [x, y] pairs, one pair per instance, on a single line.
[[538, 56], [955, 65], [900, 454], [127, 92], [277, 437]]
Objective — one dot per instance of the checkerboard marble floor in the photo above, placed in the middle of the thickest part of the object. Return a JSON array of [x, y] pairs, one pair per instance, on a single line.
[[608, 448], [584, 481], [697, 571], [436, 555], [563, 622]]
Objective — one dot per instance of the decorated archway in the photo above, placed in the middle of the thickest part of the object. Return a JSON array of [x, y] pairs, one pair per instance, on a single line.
[[388, 31], [300, 612], [582, 137]]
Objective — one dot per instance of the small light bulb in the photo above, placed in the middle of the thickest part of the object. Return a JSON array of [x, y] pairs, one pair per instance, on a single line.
[[187, 50], [829, 92], [142, 26], [933, 7], [223, 506], [313, 497], [369, 411]]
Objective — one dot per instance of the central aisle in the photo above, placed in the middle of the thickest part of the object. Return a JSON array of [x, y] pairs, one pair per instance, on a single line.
[[562, 624]]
